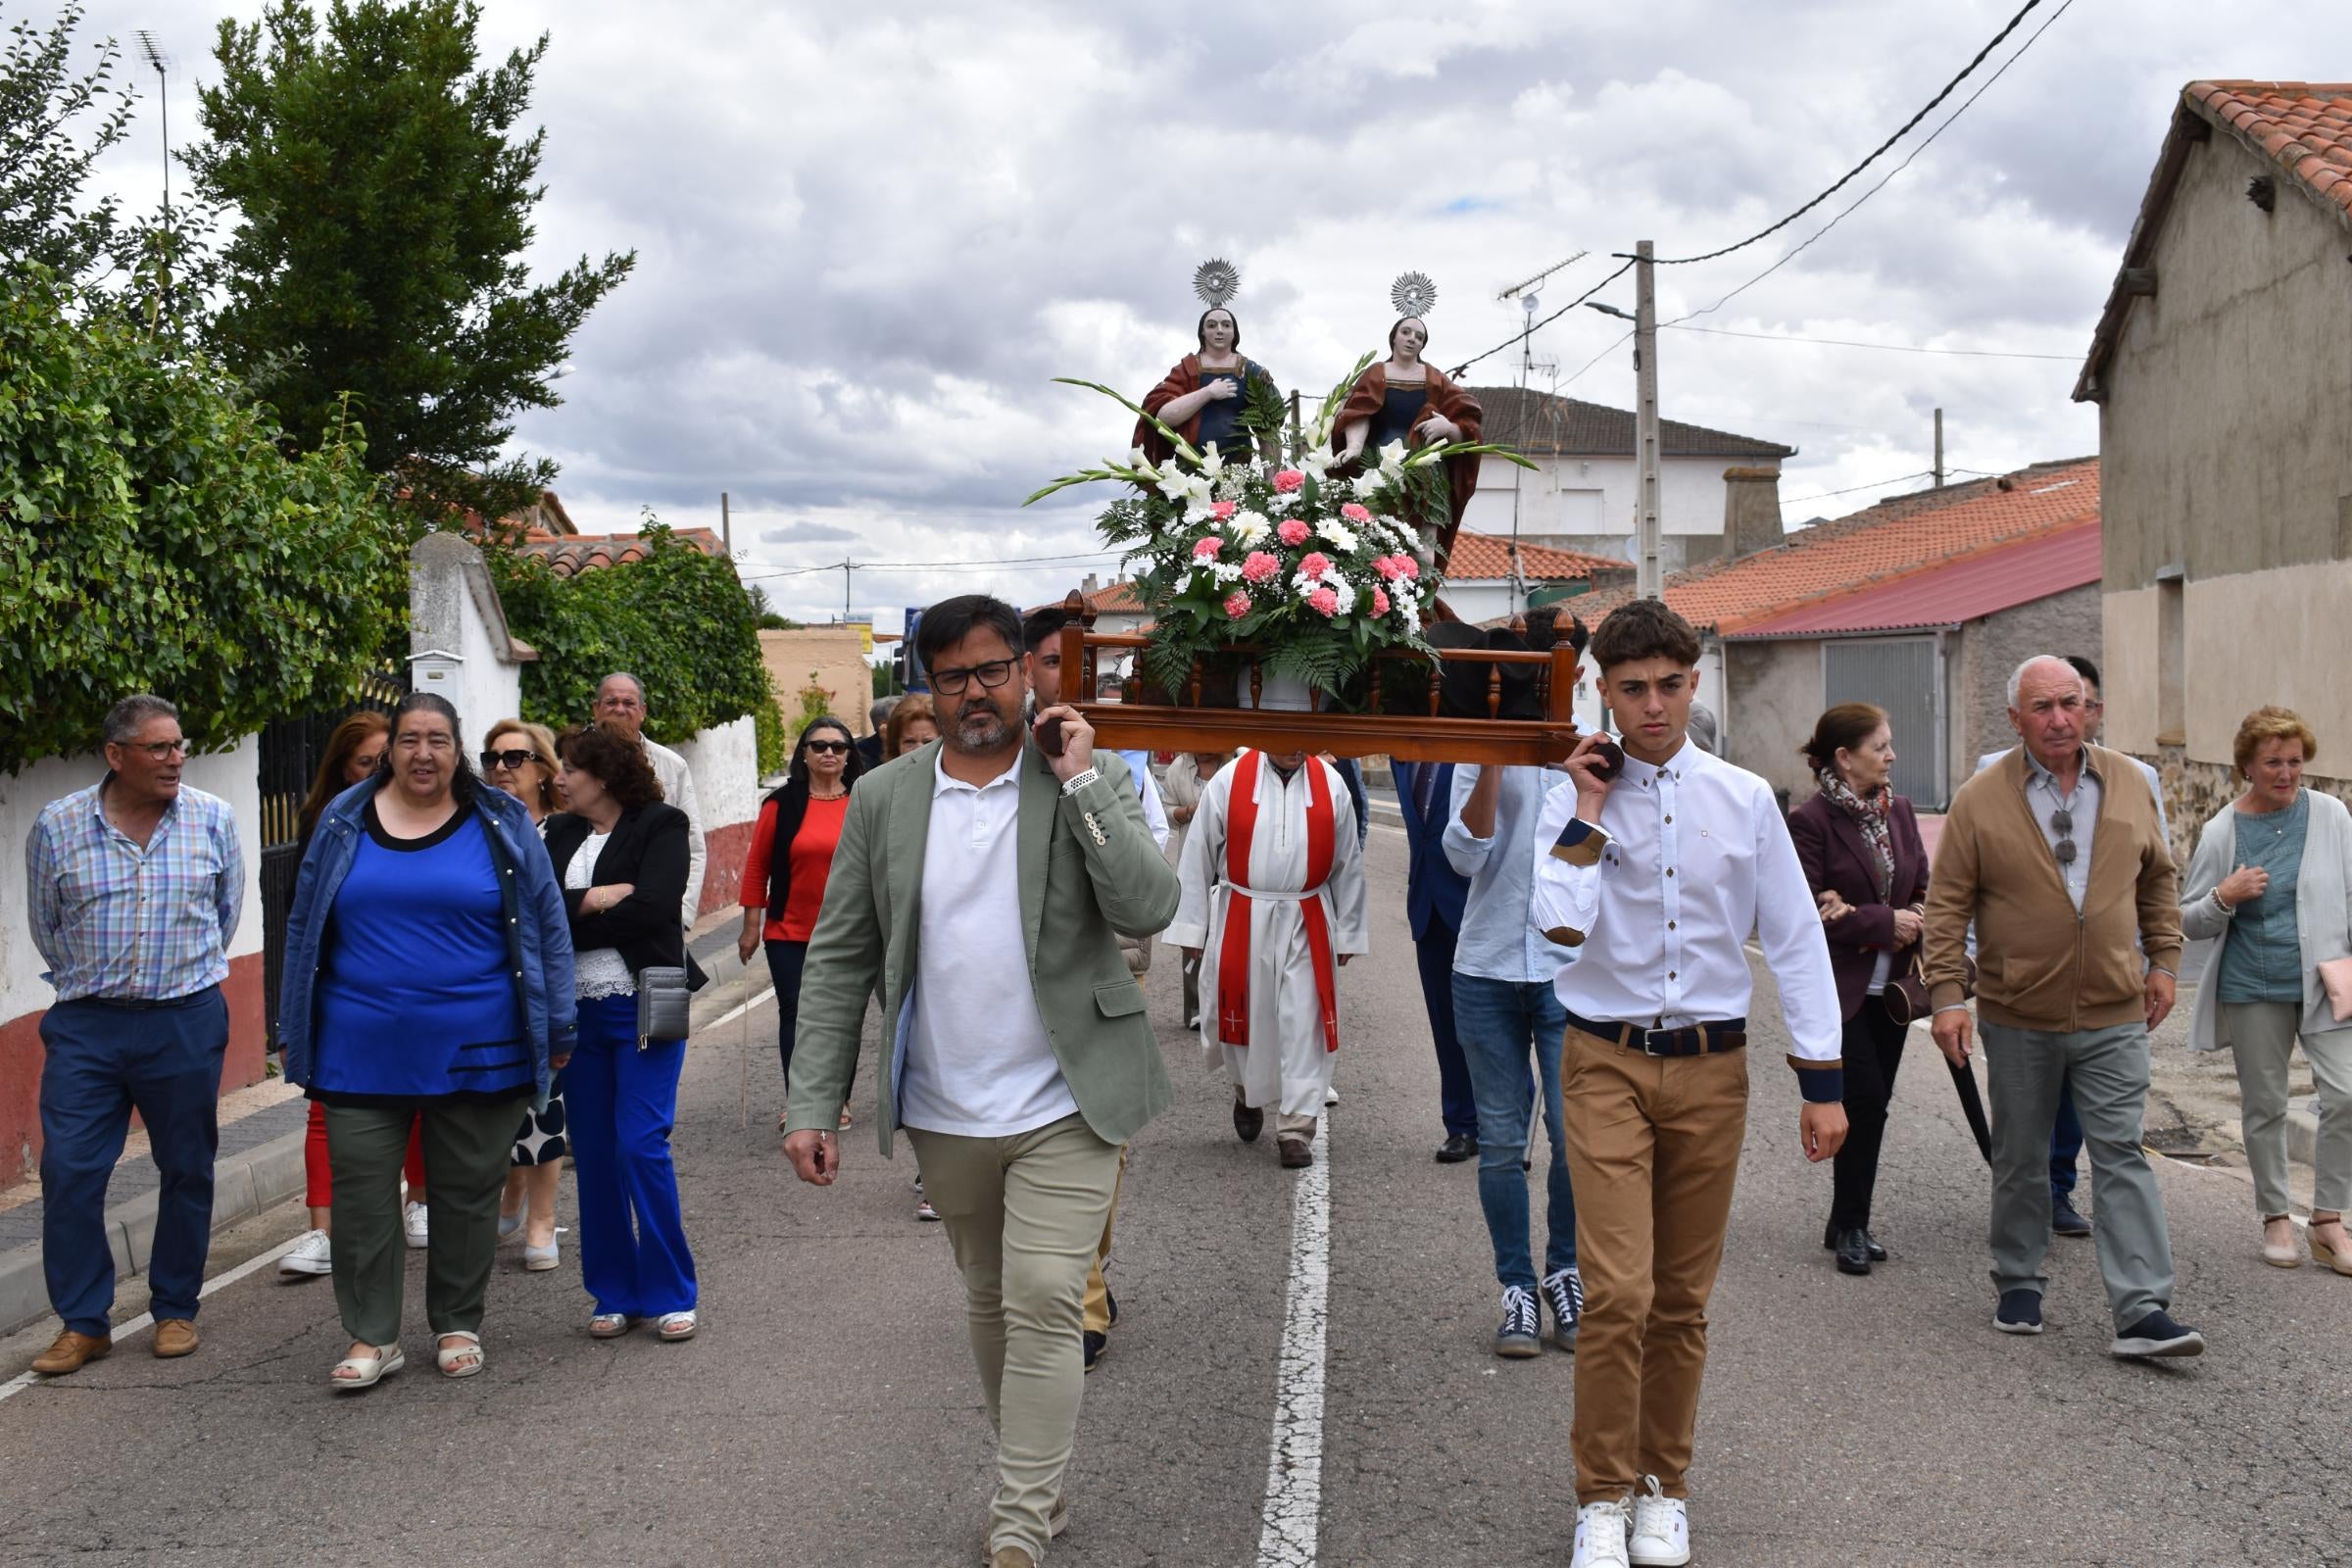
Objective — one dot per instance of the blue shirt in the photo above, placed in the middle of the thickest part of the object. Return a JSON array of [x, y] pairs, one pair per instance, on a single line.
[[414, 996], [1497, 940], [129, 923], [2262, 958]]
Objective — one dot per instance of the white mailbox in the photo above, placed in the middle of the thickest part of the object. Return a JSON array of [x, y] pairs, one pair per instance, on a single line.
[[440, 672]]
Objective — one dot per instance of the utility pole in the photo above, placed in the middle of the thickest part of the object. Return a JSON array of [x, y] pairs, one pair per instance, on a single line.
[[847, 568], [1648, 580], [726, 525], [1938, 449]]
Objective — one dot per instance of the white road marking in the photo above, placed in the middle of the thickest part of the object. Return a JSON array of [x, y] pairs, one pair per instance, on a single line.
[[1294, 1508], [733, 1013], [146, 1320]]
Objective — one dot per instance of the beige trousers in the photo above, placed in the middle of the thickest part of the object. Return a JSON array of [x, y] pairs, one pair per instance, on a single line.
[[1025, 1215]]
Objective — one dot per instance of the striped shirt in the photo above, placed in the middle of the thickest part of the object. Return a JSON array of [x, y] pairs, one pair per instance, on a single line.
[[128, 924]]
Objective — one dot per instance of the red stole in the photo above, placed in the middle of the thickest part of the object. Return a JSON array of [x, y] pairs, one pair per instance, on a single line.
[[1233, 954]]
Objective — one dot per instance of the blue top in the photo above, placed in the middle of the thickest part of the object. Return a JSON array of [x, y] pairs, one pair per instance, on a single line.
[[1398, 411], [1221, 417], [414, 1001], [1433, 889], [2262, 958], [1499, 941]]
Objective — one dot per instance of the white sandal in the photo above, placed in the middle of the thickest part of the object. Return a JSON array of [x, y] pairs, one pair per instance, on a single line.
[[370, 1369], [609, 1325], [449, 1356], [673, 1327]]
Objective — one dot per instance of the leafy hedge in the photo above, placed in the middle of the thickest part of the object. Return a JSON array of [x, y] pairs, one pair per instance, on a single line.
[[153, 537], [679, 620]]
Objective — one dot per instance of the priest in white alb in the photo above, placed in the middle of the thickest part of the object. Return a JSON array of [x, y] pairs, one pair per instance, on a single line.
[[1273, 904]]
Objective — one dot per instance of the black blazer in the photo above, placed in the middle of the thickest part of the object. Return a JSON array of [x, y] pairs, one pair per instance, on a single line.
[[1835, 858], [648, 850]]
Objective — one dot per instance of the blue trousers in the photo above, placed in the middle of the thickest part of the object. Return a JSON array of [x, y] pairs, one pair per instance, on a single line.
[[103, 1063], [1500, 1022], [2066, 1144], [785, 961], [622, 1103], [1457, 1107]]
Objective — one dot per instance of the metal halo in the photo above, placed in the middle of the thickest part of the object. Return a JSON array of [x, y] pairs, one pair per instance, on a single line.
[[1216, 280], [1414, 294]]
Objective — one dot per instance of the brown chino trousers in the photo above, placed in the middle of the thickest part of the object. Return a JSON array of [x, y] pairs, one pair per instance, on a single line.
[[1654, 1150]]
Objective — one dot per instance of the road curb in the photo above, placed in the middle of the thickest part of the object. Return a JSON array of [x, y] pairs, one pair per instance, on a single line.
[[243, 1185]]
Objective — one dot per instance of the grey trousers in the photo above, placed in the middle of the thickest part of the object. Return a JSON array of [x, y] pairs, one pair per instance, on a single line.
[[2261, 1036], [2109, 1071]]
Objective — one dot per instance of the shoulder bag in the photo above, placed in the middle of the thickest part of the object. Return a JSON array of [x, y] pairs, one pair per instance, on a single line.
[[664, 1003], [1906, 998]]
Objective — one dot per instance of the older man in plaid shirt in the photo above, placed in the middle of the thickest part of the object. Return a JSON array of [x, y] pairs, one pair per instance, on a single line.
[[137, 884]]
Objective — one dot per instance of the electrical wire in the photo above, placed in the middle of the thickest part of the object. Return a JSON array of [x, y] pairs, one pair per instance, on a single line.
[[1874, 484], [1528, 330], [1879, 151], [1091, 557], [1888, 347]]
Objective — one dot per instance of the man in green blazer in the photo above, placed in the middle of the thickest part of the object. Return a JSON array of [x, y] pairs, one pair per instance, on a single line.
[[980, 890]]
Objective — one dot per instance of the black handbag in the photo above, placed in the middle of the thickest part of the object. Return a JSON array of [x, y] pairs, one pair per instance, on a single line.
[[664, 1004]]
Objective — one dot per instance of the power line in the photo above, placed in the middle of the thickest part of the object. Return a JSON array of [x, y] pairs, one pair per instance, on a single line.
[[1879, 151], [1528, 329], [934, 566], [1874, 484], [1889, 348]]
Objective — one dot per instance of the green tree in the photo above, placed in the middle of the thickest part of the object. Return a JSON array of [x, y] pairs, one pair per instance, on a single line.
[[382, 208], [44, 164], [153, 537]]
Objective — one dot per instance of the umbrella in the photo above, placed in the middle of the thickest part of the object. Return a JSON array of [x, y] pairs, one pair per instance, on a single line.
[[1972, 1106]]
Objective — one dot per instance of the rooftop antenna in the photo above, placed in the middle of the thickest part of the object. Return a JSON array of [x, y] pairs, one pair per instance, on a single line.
[[162, 62]]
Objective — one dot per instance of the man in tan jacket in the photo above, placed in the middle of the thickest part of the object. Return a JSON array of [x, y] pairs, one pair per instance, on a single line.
[[2056, 853]]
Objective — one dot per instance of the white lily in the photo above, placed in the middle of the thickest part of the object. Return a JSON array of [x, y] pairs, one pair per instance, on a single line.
[[1212, 462], [1391, 459]]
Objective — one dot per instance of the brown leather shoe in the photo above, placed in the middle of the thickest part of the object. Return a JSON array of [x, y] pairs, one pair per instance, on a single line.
[[175, 1336], [70, 1350], [1296, 1153]]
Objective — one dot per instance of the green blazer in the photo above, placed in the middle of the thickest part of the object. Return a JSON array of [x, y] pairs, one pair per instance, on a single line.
[[1089, 873]]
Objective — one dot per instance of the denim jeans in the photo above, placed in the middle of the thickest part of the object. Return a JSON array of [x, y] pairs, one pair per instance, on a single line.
[[1500, 1021]]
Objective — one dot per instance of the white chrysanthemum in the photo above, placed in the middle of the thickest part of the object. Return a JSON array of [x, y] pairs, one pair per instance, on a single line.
[[1344, 588], [1228, 573], [1249, 528], [1339, 533]]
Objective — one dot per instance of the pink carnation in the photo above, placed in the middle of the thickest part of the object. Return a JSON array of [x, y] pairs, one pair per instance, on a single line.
[[1316, 564], [1287, 480], [1324, 601], [1223, 510], [1357, 512], [1292, 531], [1206, 549], [1259, 566], [1407, 567], [1386, 565], [1237, 604], [1380, 601]]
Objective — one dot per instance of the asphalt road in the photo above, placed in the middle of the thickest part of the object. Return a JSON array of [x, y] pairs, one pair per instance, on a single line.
[[828, 1413]]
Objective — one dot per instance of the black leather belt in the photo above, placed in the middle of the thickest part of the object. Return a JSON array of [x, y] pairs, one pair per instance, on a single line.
[[1691, 1039]]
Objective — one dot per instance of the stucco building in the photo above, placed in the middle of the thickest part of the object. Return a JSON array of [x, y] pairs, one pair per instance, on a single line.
[[2222, 370]]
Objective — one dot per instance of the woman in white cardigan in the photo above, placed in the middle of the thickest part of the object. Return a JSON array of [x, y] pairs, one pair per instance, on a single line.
[[2270, 889]]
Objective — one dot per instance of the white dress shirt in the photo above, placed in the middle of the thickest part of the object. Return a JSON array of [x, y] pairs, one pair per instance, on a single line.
[[1687, 858], [1146, 789], [978, 1061], [1497, 941], [677, 788]]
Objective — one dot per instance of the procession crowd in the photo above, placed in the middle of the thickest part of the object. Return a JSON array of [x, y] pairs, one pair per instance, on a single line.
[[486, 975]]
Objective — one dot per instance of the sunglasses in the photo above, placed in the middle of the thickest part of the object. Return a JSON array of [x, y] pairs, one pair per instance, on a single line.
[[830, 748], [2062, 821], [510, 760]]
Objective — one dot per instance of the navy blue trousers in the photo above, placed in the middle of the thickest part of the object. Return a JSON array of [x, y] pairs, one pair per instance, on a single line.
[[622, 1101], [104, 1062], [2066, 1144], [1457, 1105]]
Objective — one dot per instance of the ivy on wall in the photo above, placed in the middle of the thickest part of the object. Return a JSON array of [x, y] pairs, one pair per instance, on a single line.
[[679, 620], [155, 537]]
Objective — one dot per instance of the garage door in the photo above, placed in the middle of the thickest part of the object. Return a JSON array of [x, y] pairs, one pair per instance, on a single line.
[[1901, 675]]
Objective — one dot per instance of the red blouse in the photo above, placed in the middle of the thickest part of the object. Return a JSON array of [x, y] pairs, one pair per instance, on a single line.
[[811, 860]]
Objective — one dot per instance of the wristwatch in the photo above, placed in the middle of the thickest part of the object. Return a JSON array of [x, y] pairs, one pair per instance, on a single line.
[[1079, 780]]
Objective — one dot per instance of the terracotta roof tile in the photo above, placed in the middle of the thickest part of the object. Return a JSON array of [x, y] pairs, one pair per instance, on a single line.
[[573, 553], [1486, 557], [1540, 423], [1875, 545]]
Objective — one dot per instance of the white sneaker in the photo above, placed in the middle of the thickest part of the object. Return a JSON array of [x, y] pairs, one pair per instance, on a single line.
[[309, 1256], [1599, 1536], [412, 1222], [1661, 1527]]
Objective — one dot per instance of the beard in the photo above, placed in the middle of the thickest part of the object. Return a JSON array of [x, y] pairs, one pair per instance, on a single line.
[[982, 727]]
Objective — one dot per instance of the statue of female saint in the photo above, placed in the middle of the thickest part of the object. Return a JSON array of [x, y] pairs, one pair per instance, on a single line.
[[1403, 398], [1207, 398]]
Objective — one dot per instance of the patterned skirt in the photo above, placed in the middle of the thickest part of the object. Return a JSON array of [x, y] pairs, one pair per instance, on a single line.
[[542, 1138]]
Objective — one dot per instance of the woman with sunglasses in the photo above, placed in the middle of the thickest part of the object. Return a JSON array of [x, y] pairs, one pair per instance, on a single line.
[[520, 759], [791, 854]]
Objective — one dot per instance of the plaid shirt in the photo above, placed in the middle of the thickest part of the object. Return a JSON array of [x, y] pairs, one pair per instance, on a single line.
[[127, 924]]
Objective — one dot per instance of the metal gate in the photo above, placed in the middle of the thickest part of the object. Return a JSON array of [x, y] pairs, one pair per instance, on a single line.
[[1905, 677], [291, 751]]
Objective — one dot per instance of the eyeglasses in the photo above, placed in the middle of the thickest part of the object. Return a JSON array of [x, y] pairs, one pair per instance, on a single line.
[[158, 750], [2062, 822], [991, 675], [510, 760], [830, 748]]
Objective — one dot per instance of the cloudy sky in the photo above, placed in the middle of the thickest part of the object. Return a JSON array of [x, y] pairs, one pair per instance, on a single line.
[[870, 235]]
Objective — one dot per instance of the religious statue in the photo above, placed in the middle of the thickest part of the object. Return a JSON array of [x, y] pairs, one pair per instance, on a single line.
[[1403, 398], [1214, 395]]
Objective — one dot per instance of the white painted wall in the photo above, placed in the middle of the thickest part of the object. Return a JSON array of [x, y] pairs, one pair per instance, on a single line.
[[725, 763], [1593, 497], [453, 609], [234, 776]]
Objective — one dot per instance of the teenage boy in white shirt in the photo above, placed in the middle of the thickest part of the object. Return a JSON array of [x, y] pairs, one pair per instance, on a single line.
[[1656, 878]]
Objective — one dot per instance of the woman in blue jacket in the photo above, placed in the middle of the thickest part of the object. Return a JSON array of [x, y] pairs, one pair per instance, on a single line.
[[429, 971]]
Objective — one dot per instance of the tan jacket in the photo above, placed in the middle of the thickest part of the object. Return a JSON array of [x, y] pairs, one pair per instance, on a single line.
[[2039, 965]]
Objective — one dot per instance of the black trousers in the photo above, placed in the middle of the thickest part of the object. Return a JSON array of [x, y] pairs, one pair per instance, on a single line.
[[785, 961], [1874, 1051]]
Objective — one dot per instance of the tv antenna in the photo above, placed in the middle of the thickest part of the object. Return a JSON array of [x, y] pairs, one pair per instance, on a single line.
[[162, 62], [1523, 285]]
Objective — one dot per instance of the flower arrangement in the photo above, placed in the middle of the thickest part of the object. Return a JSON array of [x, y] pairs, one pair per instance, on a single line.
[[1314, 566]]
